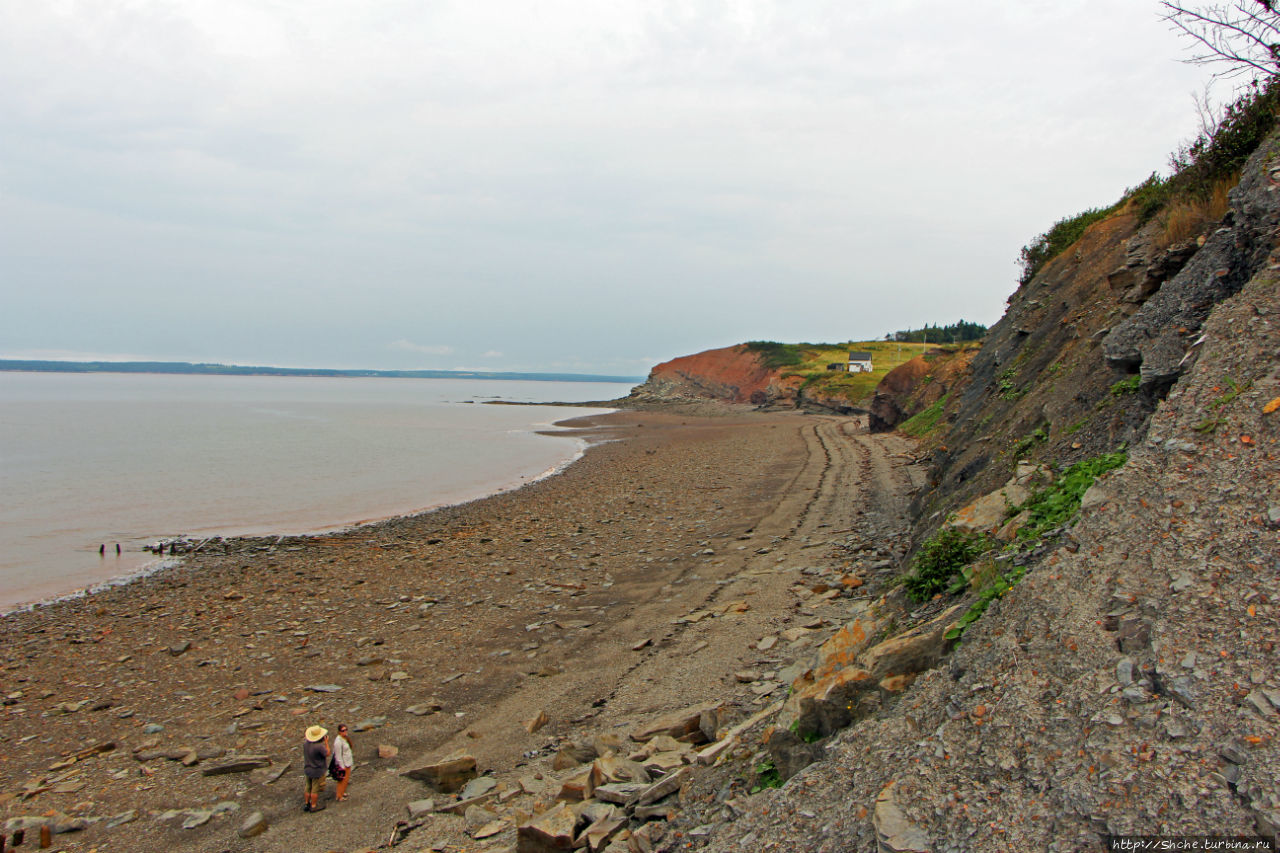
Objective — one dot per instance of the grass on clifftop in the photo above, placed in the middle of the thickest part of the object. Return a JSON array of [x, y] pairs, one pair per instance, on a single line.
[[810, 361]]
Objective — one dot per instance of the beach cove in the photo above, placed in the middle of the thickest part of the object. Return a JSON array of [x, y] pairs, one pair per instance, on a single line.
[[571, 597]]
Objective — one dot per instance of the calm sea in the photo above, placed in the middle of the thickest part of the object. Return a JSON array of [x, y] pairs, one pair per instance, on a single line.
[[87, 460]]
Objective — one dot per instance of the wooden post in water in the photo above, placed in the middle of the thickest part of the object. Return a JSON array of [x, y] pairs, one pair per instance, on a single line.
[[46, 837], [19, 835]]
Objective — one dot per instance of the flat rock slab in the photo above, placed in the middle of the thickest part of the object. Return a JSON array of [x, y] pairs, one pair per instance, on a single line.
[[677, 725], [237, 764], [447, 776], [621, 793]]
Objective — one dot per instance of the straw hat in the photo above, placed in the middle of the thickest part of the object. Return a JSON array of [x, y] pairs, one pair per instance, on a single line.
[[316, 733]]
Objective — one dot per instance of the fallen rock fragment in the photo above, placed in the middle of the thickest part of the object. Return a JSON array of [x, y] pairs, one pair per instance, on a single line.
[[550, 832], [447, 776], [685, 724], [539, 720]]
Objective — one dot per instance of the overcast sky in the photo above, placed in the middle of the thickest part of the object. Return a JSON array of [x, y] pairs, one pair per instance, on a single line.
[[570, 186]]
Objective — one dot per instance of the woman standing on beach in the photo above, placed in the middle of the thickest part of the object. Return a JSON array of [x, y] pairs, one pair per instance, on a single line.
[[315, 765], [343, 760]]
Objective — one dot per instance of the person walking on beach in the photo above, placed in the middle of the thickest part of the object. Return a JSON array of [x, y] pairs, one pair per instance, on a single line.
[[343, 761], [315, 764]]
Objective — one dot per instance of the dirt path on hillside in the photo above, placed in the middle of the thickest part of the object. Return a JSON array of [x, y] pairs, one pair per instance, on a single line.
[[651, 576]]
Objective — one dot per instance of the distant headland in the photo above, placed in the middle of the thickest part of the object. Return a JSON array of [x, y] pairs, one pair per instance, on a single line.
[[182, 367]]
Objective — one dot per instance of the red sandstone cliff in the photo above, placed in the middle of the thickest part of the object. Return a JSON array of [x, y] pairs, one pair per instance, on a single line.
[[917, 384], [732, 374]]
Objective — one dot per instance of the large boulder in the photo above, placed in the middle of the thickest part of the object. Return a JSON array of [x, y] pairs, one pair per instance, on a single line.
[[915, 650]]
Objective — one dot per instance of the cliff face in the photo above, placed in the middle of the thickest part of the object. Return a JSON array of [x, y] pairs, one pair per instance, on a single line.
[[924, 381], [1123, 681], [732, 375]]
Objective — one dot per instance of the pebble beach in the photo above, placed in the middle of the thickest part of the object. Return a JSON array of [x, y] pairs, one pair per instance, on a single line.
[[425, 634]]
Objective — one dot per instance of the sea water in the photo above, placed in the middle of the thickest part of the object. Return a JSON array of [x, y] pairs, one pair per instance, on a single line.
[[93, 460]]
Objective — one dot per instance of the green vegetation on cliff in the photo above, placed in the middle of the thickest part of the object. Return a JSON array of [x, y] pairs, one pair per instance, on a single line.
[[814, 364], [1193, 196]]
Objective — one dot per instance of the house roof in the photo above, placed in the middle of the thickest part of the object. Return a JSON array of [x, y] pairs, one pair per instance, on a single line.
[[859, 356]]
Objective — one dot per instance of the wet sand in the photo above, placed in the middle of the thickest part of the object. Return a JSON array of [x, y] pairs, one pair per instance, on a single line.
[[539, 599]]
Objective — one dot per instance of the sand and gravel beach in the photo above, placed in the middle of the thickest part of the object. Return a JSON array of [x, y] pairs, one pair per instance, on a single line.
[[449, 631]]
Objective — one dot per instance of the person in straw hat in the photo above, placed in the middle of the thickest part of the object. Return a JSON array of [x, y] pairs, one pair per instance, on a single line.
[[315, 764]]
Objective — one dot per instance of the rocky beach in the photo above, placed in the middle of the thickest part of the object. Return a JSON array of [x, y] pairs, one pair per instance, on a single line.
[[684, 563]]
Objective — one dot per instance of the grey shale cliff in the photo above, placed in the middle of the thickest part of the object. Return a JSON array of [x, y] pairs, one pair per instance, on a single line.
[[1129, 684]]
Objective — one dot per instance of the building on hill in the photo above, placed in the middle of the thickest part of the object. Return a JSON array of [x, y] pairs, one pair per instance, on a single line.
[[837, 366], [859, 362]]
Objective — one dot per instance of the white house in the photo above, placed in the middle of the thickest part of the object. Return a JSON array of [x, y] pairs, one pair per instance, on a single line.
[[859, 362]]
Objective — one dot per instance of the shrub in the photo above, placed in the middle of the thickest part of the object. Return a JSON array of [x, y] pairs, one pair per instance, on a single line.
[[1203, 171], [1128, 385], [1053, 242], [776, 355], [767, 776], [1029, 441], [922, 423], [941, 558], [1057, 503]]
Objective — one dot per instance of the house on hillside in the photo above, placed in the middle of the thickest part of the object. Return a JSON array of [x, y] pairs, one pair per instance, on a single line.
[[859, 362], [837, 366]]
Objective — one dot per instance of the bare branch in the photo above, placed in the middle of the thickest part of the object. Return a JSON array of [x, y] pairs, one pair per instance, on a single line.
[[1244, 36]]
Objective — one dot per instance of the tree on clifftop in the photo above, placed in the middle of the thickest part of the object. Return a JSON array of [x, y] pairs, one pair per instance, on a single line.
[[1243, 36]]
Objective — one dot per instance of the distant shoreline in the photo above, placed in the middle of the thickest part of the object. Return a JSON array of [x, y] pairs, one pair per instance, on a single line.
[[189, 368]]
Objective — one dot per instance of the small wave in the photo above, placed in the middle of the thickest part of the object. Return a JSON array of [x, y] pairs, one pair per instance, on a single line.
[[144, 571]]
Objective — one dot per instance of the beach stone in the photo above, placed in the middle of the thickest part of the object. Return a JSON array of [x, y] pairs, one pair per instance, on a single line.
[[424, 709], [614, 769], [196, 818], [324, 688], [533, 725], [255, 824], [664, 787], [550, 832], [598, 833], [387, 751], [572, 754], [180, 648], [369, 724], [478, 787], [620, 793], [420, 808], [476, 816], [577, 787], [448, 775]]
